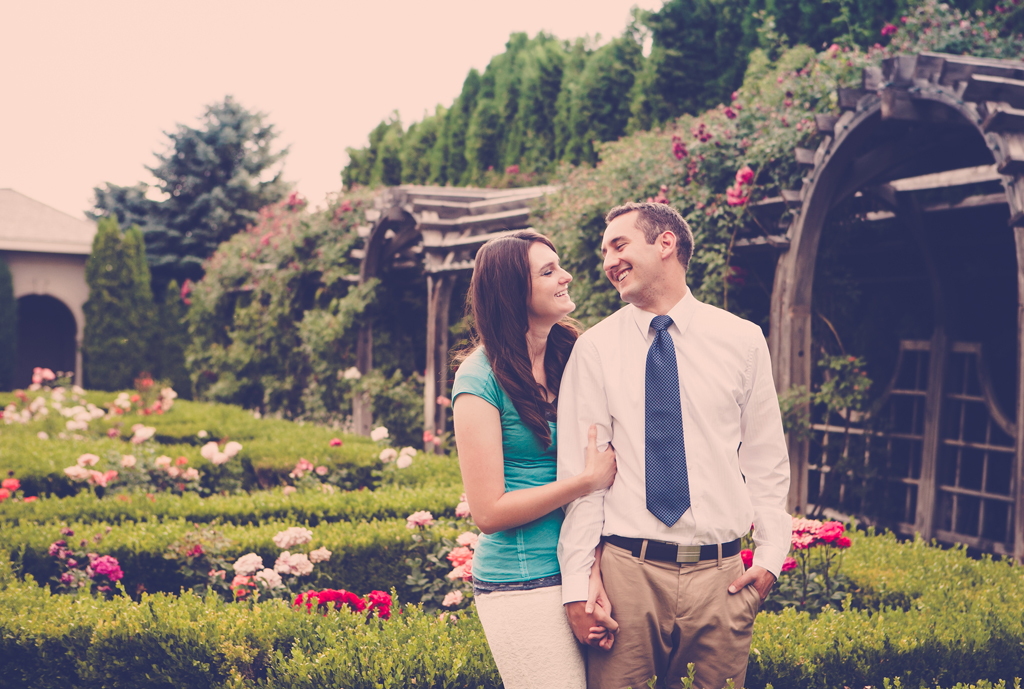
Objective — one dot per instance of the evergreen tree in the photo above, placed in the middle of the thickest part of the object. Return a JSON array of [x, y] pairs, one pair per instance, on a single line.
[[8, 327], [117, 344], [171, 341], [215, 178]]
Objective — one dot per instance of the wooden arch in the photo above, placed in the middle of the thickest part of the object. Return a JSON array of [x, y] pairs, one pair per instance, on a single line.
[[437, 230], [903, 123]]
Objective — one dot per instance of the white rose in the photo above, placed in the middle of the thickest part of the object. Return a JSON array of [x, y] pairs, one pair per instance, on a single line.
[[404, 462], [270, 578], [408, 451], [352, 373], [388, 454], [128, 461], [202, 434], [247, 564], [232, 448], [321, 554], [378, 433], [209, 450]]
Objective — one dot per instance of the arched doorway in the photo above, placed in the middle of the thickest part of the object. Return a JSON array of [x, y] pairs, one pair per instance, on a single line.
[[46, 337], [926, 163]]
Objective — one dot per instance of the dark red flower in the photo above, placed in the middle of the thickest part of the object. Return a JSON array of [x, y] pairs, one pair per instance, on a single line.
[[748, 557]]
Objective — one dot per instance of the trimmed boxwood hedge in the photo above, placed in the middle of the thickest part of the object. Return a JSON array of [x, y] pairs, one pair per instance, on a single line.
[[958, 620], [366, 555], [440, 486]]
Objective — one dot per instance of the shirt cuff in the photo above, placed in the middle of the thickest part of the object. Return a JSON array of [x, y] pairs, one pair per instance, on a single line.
[[769, 557], [575, 587]]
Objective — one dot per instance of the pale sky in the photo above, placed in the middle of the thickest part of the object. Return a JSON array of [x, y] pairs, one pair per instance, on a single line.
[[88, 88]]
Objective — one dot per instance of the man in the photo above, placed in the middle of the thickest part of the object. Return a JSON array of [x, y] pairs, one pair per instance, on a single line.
[[684, 393]]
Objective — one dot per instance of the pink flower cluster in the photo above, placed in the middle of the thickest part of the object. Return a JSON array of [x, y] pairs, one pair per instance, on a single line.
[[738, 194], [376, 601], [462, 557], [808, 533], [41, 375], [419, 519]]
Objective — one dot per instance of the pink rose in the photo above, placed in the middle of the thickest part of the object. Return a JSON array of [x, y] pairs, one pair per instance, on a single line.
[[788, 564], [421, 518], [460, 556], [748, 557], [452, 599]]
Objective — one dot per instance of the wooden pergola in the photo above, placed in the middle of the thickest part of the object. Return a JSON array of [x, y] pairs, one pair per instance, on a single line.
[[919, 125], [440, 228]]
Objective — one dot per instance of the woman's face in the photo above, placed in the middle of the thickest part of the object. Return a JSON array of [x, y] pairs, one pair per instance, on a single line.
[[549, 295]]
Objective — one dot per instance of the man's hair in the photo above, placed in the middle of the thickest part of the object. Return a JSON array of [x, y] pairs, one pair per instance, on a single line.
[[653, 219]]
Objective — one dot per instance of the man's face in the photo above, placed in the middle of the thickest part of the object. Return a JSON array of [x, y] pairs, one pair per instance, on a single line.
[[632, 265]]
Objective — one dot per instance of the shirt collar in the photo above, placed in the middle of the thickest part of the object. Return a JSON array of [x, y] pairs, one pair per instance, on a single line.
[[681, 315]]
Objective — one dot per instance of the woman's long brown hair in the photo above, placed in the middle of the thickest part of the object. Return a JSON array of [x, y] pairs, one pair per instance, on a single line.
[[498, 297]]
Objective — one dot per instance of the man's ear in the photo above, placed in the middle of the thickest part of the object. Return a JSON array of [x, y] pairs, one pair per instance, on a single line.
[[667, 241]]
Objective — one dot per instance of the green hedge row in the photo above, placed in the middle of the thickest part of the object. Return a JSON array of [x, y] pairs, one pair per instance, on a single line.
[[964, 623], [55, 642], [944, 618], [311, 507], [365, 555], [265, 459]]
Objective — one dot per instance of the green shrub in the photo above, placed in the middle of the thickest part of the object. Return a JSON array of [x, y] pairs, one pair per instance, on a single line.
[[366, 555], [49, 641], [312, 507]]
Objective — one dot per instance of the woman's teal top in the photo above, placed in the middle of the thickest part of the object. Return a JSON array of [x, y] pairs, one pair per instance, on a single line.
[[529, 551]]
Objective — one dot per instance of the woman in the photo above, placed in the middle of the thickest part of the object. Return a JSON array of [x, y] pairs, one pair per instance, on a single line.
[[504, 400]]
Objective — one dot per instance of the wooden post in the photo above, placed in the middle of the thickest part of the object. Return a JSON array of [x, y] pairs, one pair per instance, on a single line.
[[924, 522], [435, 383], [1018, 479], [443, 289], [430, 374], [362, 409]]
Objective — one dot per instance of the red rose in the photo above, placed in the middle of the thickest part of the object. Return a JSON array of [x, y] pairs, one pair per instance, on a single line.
[[748, 557]]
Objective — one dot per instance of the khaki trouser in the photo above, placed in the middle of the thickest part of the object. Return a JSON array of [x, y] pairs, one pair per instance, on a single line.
[[670, 615]]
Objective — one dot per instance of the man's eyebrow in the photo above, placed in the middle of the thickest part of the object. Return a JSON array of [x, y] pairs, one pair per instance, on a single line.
[[610, 242]]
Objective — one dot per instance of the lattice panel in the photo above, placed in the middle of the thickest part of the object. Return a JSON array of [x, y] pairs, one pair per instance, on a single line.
[[976, 460]]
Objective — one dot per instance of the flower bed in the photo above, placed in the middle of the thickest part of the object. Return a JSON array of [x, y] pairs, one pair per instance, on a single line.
[[312, 507], [366, 555], [963, 622], [43, 436]]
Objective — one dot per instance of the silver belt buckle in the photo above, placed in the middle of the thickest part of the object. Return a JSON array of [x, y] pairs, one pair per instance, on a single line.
[[688, 554]]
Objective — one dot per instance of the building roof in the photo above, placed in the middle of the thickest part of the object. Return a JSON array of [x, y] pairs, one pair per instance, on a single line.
[[29, 225]]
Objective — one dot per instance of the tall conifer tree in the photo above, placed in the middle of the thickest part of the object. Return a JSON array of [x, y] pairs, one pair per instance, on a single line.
[[119, 315]]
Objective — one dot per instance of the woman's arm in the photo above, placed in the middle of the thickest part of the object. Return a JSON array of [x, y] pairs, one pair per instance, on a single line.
[[478, 438]]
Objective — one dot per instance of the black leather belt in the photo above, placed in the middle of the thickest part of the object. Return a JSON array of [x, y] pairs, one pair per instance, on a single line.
[[672, 552]]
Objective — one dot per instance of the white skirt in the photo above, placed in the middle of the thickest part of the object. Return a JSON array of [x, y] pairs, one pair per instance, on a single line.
[[531, 640]]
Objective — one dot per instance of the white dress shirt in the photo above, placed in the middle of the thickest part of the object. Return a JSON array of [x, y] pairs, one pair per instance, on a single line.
[[736, 457]]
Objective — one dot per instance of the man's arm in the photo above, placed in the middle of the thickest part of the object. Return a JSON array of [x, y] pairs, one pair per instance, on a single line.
[[764, 461], [582, 401]]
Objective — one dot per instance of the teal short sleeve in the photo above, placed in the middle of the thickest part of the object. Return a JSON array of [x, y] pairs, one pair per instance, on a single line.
[[475, 377]]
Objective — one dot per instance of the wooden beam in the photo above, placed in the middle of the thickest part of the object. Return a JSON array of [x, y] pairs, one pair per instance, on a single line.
[[961, 67], [792, 197], [1002, 117], [804, 156], [871, 78], [825, 124], [899, 70], [435, 240], [979, 201], [848, 98], [773, 241], [950, 178], [490, 221], [982, 87]]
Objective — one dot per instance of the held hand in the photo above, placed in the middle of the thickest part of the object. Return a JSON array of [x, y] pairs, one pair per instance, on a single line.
[[602, 635], [587, 629], [760, 578], [600, 468]]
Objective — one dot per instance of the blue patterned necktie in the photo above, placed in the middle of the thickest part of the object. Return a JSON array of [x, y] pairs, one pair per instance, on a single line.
[[668, 489]]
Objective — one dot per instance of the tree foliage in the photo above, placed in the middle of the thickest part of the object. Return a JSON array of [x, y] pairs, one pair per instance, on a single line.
[[119, 315], [271, 324], [544, 101], [214, 178], [8, 327]]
